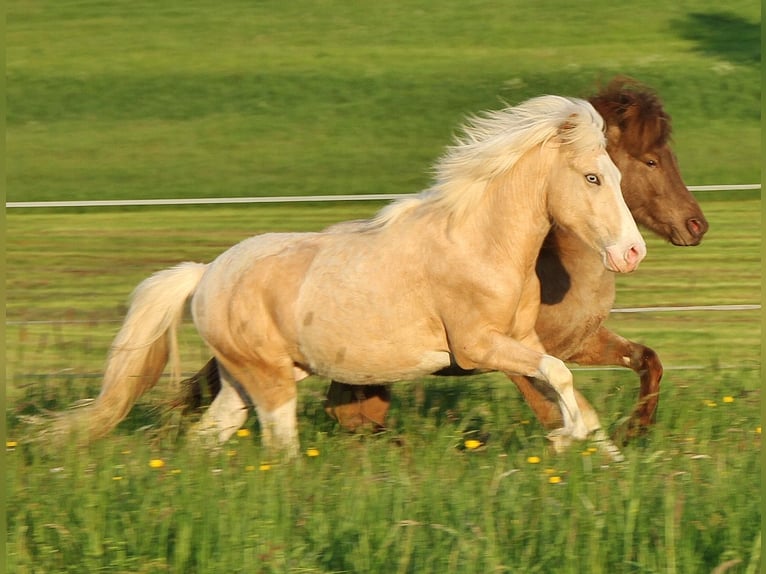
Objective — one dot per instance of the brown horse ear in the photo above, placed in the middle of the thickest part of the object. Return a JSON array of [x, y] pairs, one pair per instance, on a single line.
[[613, 133]]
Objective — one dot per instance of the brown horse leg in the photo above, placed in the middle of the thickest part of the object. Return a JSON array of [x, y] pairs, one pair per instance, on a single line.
[[607, 348], [358, 407], [544, 402], [192, 396]]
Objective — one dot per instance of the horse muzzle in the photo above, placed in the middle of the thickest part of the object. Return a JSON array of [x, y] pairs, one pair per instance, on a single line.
[[619, 259]]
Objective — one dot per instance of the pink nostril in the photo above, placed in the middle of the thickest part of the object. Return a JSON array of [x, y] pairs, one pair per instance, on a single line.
[[696, 227], [633, 256]]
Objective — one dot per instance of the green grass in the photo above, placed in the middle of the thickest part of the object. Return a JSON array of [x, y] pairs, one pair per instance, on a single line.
[[123, 100], [412, 499], [111, 100]]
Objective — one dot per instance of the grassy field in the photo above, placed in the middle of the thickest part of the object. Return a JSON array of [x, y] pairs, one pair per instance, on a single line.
[[196, 99], [112, 100], [410, 500]]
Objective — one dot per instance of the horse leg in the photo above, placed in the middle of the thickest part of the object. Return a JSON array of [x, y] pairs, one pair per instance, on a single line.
[[357, 407], [543, 401], [495, 351], [560, 378], [192, 395], [279, 427], [227, 412], [607, 348], [273, 391]]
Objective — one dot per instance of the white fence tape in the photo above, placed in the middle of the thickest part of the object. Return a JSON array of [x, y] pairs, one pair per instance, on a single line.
[[280, 199]]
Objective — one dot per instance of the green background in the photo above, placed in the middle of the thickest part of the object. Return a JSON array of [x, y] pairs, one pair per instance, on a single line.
[[130, 100]]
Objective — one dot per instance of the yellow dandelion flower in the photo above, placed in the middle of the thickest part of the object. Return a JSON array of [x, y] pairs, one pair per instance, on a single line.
[[312, 452], [757, 430], [533, 459], [554, 479], [11, 444], [116, 478], [243, 433], [264, 466], [472, 443], [156, 463], [728, 399]]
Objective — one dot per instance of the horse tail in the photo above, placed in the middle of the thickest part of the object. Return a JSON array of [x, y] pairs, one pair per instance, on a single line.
[[140, 351]]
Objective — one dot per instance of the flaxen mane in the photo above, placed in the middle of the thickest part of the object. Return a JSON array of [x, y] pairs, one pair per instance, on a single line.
[[637, 111], [490, 145]]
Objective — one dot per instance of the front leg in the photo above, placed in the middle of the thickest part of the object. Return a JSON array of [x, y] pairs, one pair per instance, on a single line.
[[542, 400], [495, 351], [607, 348]]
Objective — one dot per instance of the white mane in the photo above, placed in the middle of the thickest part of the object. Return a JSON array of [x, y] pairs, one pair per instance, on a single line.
[[491, 144]]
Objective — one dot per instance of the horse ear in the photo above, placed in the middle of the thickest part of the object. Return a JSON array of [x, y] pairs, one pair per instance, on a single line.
[[613, 133], [562, 132], [567, 125]]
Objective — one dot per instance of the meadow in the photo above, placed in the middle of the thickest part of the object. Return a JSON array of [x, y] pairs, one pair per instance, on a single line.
[[197, 99]]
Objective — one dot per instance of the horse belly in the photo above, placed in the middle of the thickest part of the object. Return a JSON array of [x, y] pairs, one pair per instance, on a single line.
[[361, 323], [370, 371], [355, 348]]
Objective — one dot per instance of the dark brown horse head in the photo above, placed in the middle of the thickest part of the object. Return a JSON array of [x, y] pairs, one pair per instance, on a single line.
[[638, 134]]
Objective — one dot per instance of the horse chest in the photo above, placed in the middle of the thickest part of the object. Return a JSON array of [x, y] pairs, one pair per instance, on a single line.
[[577, 294]]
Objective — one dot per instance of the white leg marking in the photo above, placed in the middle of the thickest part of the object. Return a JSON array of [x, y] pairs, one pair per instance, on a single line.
[[280, 427], [560, 378], [226, 414], [605, 445]]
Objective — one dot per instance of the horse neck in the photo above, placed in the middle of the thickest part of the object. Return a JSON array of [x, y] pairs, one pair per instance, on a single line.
[[514, 219]]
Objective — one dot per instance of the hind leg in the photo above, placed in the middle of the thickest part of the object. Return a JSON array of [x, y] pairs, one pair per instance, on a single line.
[[279, 427], [226, 414], [273, 391]]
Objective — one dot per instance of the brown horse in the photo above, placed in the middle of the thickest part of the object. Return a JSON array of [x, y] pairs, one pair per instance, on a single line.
[[442, 277], [577, 294]]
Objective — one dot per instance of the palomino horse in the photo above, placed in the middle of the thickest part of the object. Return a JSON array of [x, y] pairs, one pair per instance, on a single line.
[[577, 292], [444, 277]]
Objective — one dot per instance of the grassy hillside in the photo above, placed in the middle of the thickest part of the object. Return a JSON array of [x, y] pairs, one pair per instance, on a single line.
[[197, 99]]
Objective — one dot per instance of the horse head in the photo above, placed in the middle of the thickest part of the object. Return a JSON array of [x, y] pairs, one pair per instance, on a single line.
[[585, 194], [638, 134]]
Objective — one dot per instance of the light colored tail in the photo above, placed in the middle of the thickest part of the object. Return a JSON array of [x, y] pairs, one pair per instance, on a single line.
[[140, 351]]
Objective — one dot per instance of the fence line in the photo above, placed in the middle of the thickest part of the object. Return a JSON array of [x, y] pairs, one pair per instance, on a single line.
[[279, 199], [619, 310]]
